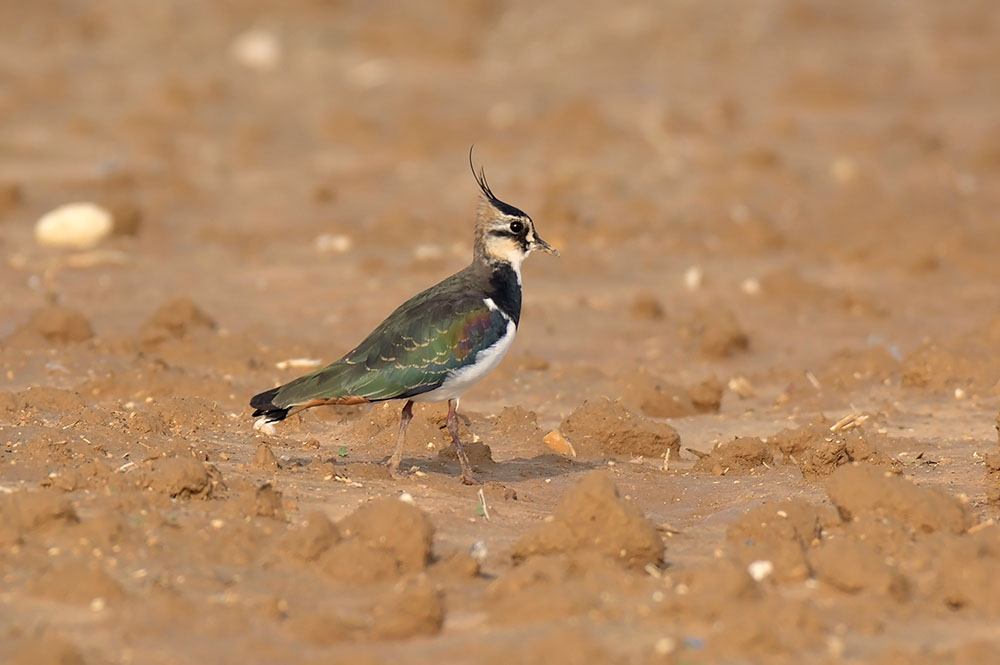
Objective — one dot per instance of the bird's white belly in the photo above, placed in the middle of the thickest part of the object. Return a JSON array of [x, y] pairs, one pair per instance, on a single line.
[[462, 379]]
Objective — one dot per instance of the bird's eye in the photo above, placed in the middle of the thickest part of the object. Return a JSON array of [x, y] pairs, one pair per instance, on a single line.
[[516, 227]]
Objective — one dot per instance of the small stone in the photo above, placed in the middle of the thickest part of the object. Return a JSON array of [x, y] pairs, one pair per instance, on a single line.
[[665, 646], [760, 569], [74, 225], [693, 278], [478, 551], [298, 363], [557, 443], [427, 251], [742, 387], [257, 49], [338, 244], [750, 286]]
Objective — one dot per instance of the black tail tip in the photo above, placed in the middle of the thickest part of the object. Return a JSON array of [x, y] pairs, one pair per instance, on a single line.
[[263, 405], [272, 415]]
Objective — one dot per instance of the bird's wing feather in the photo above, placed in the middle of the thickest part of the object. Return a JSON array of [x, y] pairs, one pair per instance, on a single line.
[[409, 353]]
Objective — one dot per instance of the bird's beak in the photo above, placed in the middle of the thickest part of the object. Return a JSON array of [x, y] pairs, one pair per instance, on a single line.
[[540, 245]]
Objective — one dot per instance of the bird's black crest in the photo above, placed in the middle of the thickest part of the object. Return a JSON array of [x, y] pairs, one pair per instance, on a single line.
[[480, 177]]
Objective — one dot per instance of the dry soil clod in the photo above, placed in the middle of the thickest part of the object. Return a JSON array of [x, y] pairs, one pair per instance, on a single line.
[[601, 428], [592, 516]]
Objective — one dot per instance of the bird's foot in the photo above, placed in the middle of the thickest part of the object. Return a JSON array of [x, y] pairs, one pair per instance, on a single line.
[[394, 467], [467, 478]]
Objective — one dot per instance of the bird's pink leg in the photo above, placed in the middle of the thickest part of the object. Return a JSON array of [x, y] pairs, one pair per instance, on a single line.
[[452, 422], [397, 456]]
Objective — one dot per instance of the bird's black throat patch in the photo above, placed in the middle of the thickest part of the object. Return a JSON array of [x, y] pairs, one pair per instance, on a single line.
[[505, 290]]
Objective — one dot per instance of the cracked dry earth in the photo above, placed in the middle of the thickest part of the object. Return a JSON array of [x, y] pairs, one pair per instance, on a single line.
[[751, 414]]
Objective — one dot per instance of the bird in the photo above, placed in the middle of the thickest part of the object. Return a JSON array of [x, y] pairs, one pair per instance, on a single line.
[[436, 345]]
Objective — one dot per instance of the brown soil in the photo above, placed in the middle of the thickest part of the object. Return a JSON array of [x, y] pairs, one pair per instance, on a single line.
[[860, 489], [741, 455], [601, 428], [819, 448], [591, 516], [751, 415]]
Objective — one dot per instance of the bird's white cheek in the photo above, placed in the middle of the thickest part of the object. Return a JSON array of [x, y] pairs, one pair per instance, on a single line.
[[506, 250]]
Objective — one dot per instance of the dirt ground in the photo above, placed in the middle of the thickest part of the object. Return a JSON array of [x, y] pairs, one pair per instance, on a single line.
[[751, 414]]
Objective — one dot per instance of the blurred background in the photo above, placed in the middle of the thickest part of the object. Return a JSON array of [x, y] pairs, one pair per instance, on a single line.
[[300, 168], [771, 214]]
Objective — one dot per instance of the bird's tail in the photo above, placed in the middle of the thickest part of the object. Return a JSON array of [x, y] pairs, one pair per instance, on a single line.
[[264, 406]]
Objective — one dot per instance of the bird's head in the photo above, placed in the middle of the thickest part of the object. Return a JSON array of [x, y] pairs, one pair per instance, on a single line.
[[503, 232]]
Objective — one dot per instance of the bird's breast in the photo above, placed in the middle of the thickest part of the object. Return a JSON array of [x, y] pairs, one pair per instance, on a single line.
[[463, 378]]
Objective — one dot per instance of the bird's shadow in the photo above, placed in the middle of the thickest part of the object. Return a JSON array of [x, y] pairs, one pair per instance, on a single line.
[[546, 465]]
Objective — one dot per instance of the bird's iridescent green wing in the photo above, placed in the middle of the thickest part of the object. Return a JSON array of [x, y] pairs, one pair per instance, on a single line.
[[409, 353]]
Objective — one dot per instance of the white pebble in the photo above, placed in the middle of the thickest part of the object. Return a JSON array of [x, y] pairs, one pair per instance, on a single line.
[[75, 225], [750, 286], [298, 363], [959, 393], [256, 49], [693, 278], [478, 551], [760, 569], [406, 497], [742, 387], [327, 242], [427, 251], [98, 605], [665, 646]]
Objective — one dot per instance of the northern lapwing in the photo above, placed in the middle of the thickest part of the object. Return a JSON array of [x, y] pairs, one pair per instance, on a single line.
[[437, 344]]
